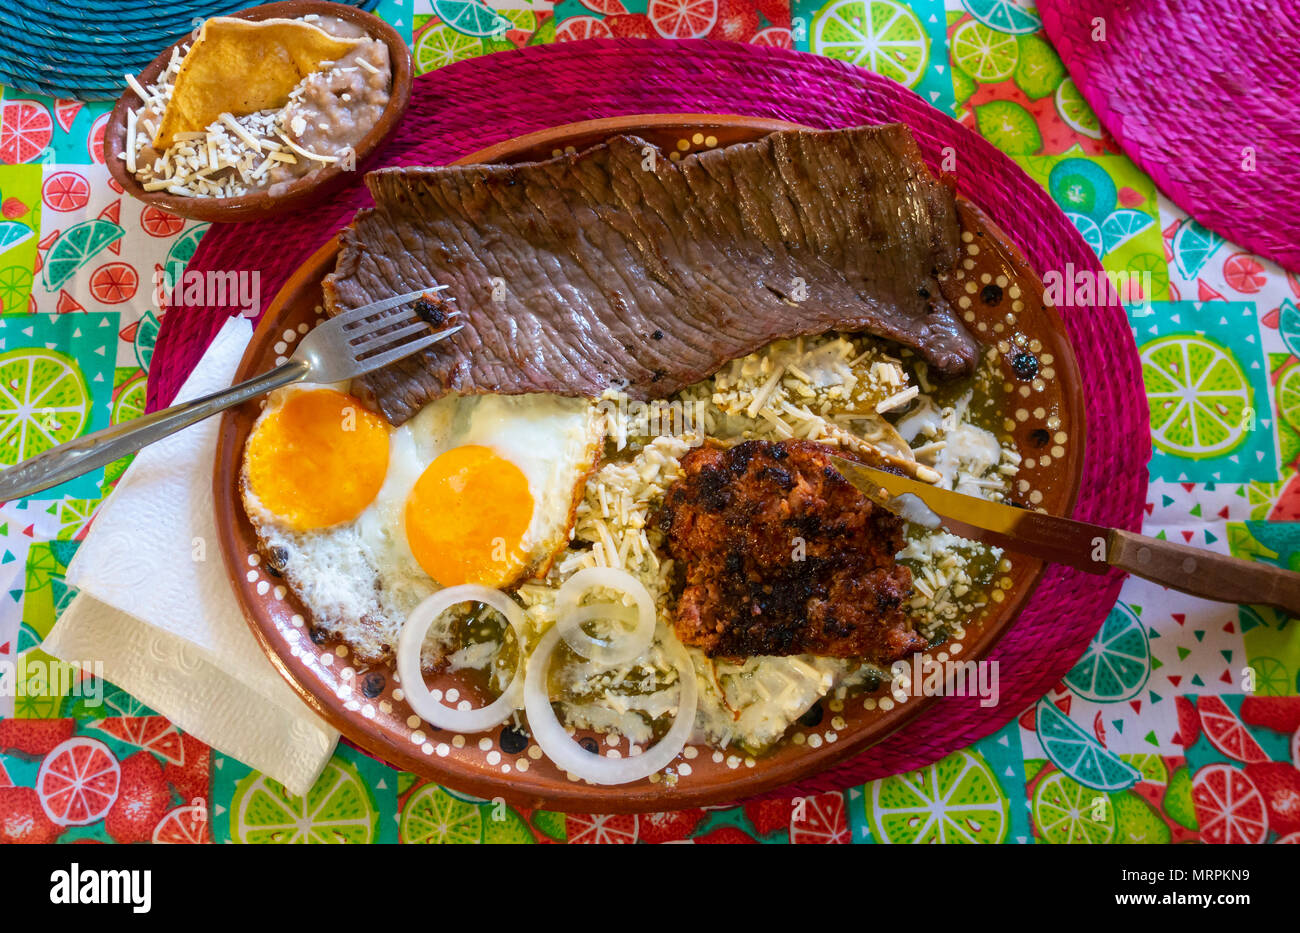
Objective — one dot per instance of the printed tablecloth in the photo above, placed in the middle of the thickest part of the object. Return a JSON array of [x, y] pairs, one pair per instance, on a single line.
[[1180, 723]]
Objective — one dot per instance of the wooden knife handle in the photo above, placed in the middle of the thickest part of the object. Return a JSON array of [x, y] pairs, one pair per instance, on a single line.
[[1203, 573]]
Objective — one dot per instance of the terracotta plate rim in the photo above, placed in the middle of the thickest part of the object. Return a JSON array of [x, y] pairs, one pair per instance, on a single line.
[[579, 796]]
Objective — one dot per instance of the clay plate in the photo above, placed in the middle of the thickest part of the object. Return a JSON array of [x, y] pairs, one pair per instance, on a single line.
[[1043, 417], [312, 187]]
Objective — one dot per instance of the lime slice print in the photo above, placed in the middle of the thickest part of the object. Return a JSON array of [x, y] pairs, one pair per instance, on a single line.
[[1198, 395], [1074, 110], [73, 515], [1260, 497], [1151, 766], [1039, 70], [12, 233], [963, 85], [470, 17], [1136, 823], [28, 638], [986, 55], [1117, 663], [338, 808], [1063, 811], [550, 824], [1090, 231], [76, 247], [130, 400], [123, 704], [41, 566], [1122, 225], [1142, 265], [1008, 126], [1193, 246], [44, 401], [523, 21], [1177, 801], [512, 830], [1079, 754], [956, 799], [1012, 16], [545, 33], [1081, 186], [432, 815], [15, 286], [441, 45], [179, 256], [35, 701], [1272, 679], [1288, 397], [882, 35], [146, 338]]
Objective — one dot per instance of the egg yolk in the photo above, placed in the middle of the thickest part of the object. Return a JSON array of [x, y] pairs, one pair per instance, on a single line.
[[467, 515], [318, 460]]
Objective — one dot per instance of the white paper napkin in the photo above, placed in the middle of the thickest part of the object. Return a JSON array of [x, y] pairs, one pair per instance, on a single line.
[[157, 610]]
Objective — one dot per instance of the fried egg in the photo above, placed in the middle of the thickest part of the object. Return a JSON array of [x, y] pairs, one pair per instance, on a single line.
[[365, 520]]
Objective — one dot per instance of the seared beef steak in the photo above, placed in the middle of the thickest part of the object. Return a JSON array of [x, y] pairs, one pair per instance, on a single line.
[[613, 273], [781, 555]]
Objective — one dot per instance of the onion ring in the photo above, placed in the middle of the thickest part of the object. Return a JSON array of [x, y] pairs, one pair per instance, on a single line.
[[411, 642], [622, 646], [569, 756]]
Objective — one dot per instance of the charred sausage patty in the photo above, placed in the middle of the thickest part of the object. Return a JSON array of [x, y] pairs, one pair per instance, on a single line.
[[781, 555]]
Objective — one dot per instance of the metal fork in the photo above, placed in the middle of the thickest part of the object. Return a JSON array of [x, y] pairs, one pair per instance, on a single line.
[[344, 347]]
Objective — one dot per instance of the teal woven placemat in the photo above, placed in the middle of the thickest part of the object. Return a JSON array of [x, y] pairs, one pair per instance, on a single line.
[[82, 49]]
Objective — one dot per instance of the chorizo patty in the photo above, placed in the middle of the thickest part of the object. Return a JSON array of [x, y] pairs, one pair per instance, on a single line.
[[782, 555]]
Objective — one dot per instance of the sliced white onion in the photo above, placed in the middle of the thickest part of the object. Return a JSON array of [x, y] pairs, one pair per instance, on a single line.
[[411, 642], [623, 644], [570, 756]]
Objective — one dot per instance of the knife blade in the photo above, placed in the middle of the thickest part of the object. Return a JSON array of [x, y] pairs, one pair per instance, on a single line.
[[1050, 537], [1091, 548]]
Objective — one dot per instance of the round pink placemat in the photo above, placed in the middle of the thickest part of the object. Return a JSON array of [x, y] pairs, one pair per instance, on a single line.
[[472, 104], [1204, 95]]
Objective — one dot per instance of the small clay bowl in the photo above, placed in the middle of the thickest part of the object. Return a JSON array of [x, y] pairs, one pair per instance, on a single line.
[[320, 183]]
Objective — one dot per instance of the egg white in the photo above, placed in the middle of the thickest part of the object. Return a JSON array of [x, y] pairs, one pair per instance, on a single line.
[[360, 580]]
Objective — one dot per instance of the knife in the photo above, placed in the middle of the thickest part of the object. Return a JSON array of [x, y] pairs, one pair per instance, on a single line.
[[1091, 548]]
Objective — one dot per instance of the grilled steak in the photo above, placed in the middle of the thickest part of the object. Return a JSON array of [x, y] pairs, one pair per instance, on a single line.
[[619, 267], [781, 555]]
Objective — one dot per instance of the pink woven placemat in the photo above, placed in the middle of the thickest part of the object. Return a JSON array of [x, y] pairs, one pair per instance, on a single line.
[[1204, 95], [472, 104]]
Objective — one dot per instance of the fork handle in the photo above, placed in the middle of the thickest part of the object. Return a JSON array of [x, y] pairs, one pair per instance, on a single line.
[[70, 460], [1203, 573]]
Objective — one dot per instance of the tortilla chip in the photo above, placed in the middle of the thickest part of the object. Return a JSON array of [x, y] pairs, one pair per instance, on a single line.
[[241, 66]]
